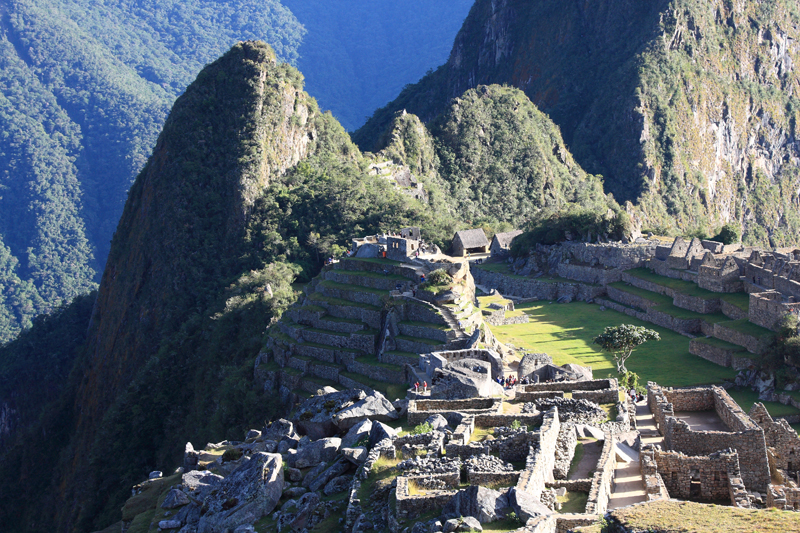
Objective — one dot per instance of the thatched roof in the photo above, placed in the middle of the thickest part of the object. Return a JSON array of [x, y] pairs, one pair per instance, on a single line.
[[504, 239], [472, 238]]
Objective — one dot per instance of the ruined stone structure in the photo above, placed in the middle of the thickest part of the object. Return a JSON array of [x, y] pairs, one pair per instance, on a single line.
[[744, 435]]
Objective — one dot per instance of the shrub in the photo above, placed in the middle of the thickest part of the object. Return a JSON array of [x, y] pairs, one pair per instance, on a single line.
[[516, 424], [231, 455], [730, 233], [439, 277], [425, 427]]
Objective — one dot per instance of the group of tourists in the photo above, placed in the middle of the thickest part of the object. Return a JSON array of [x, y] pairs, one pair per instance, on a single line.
[[424, 387], [508, 382], [635, 396]]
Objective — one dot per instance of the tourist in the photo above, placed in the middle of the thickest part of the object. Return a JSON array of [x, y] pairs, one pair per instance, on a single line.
[[422, 278], [414, 293], [424, 387], [416, 387]]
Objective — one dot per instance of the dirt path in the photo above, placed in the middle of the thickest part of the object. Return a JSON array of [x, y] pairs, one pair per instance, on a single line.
[[588, 464]]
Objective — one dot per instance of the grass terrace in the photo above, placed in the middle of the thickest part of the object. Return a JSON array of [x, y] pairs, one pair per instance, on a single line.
[[352, 288], [739, 299], [315, 296], [680, 517], [370, 274], [419, 339], [565, 332], [747, 327], [392, 391], [747, 397]]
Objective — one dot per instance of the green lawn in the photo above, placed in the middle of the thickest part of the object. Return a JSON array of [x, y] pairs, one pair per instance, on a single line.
[[746, 398], [379, 260], [565, 332]]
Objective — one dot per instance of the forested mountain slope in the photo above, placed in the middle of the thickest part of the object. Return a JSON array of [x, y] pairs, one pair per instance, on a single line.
[[84, 90], [688, 108]]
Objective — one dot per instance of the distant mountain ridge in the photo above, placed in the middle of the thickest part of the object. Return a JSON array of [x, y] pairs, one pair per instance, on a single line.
[[687, 108]]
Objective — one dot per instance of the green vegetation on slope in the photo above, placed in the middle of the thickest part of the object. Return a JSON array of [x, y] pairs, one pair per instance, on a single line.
[[84, 90], [686, 107]]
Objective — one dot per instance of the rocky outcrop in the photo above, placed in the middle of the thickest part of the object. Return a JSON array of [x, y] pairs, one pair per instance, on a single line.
[[251, 492]]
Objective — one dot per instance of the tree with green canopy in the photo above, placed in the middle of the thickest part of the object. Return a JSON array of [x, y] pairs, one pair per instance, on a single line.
[[622, 340]]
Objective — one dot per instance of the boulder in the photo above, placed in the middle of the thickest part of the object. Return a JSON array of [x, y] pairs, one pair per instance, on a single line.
[[175, 498], [437, 421], [526, 506], [337, 485], [584, 373], [278, 430], [314, 473], [306, 506], [294, 492], [356, 433], [199, 482], [156, 474], [585, 430], [315, 416], [485, 504], [293, 474], [315, 452], [252, 434], [530, 362], [379, 432], [466, 523], [169, 524], [373, 406], [245, 528], [357, 456], [335, 470], [401, 406], [190, 458], [458, 381], [286, 444], [249, 493]]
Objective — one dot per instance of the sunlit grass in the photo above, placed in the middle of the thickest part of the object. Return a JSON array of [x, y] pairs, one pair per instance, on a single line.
[[565, 332]]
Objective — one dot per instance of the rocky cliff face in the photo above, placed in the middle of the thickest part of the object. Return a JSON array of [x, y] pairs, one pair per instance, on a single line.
[[686, 107]]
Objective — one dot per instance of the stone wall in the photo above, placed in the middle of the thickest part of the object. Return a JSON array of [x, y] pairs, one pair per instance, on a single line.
[[712, 471], [732, 311], [746, 437], [412, 506], [732, 358], [369, 266], [780, 437], [597, 396], [430, 362], [750, 343], [418, 310], [571, 386], [783, 497], [766, 308], [490, 479], [654, 486], [588, 274], [539, 464], [452, 410], [600, 491], [379, 373], [519, 287], [533, 396]]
